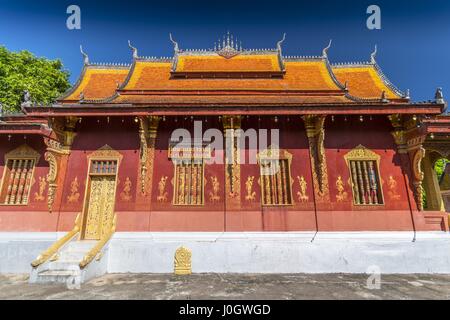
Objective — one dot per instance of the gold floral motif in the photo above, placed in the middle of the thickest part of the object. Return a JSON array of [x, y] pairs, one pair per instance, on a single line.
[[251, 195], [51, 179], [162, 189], [302, 196], [125, 194], [342, 195], [74, 194], [393, 193], [315, 132], [214, 195], [148, 127], [183, 261], [39, 196]]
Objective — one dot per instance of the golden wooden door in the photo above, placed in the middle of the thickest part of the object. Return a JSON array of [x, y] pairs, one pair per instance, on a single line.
[[100, 210]]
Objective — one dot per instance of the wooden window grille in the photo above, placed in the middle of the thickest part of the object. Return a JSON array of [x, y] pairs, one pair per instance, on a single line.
[[189, 182], [365, 176], [17, 180], [103, 167], [275, 179]]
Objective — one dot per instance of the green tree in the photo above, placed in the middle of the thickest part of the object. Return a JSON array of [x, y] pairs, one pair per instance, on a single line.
[[19, 71], [439, 167]]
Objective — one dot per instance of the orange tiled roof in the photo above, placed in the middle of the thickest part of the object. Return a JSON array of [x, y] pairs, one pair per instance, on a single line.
[[97, 82], [229, 99], [238, 63], [300, 75], [364, 82]]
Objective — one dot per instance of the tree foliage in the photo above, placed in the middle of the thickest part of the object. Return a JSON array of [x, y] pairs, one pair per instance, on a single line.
[[439, 167], [19, 71]]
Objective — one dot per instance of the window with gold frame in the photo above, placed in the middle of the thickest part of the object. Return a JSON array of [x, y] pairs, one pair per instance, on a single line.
[[364, 167], [18, 175], [189, 172], [189, 182], [275, 177]]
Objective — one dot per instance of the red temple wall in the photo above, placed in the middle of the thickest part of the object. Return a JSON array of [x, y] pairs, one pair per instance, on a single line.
[[34, 216], [341, 137], [137, 212]]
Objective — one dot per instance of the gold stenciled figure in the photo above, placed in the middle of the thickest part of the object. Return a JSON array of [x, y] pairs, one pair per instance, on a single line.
[[342, 195], [162, 197], [251, 195], [302, 196], [214, 195]]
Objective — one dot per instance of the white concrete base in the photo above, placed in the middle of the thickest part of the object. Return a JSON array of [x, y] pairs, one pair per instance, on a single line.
[[253, 252]]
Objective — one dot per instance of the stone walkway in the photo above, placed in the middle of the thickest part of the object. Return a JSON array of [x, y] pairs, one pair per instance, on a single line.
[[234, 286]]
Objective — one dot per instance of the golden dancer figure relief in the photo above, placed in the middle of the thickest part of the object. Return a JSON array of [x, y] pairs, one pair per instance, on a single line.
[[251, 195], [214, 195], [302, 196], [342, 195], [74, 194], [42, 185], [162, 189], [125, 195], [393, 193]]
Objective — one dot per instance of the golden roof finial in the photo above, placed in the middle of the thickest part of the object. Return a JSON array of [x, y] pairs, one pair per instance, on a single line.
[[134, 49], [373, 55], [279, 43], [175, 44], [85, 56], [325, 50]]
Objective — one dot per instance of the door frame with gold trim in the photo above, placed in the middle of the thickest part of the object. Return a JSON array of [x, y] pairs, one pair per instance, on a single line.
[[105, 153]]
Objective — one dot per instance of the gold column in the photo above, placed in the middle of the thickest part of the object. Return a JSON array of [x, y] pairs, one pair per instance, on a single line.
[[57, 154], [431, 185], [231, 124], [409, 138], [148, 128], [315, 132]]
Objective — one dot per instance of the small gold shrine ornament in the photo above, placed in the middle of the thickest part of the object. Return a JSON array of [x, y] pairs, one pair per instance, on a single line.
[[183, 261]]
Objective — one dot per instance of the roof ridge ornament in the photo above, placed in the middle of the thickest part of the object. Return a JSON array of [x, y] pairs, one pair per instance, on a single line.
[[85, 56], [325, 50], [176, 48], [383, 97], [407, 95], [229, 46], [439, 96], [279, 43], [373, 56], [134, 49]]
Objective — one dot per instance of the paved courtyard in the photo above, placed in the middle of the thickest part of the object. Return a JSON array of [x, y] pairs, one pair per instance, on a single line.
[[234, 286]]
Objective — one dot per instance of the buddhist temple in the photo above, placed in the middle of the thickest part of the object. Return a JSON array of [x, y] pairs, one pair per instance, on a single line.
[[353, 154]]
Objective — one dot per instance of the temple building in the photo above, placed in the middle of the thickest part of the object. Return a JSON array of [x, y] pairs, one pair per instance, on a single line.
[[354, 154]]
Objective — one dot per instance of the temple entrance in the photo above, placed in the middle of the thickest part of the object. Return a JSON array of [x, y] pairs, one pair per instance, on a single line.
[[100, 200]]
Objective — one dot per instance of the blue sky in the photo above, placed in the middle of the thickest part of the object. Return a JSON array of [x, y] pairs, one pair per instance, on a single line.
[[414, 41]]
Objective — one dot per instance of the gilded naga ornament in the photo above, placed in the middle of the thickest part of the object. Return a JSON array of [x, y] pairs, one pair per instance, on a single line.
[[251, 195], [302, 196], [183, 263]]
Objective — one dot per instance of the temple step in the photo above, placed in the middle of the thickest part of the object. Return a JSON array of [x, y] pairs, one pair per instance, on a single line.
[[57, 276], [66, 266]]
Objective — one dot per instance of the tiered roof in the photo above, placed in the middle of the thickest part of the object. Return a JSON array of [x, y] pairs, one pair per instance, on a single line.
[[230, 75]]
